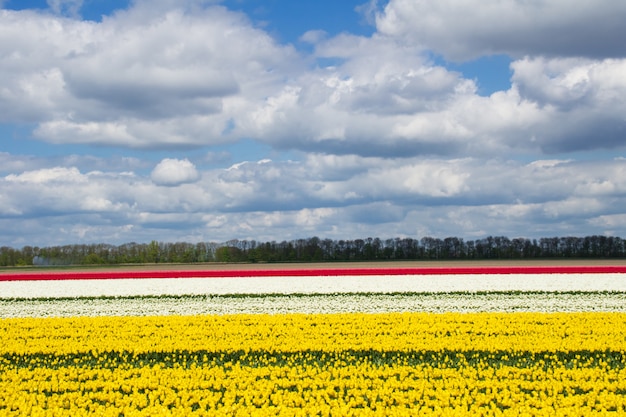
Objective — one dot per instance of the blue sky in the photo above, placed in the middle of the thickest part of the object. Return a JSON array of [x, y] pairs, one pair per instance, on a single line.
[[200, 120]]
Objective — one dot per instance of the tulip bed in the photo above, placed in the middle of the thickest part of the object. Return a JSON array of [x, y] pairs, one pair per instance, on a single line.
[[267, 272], [289, 362]]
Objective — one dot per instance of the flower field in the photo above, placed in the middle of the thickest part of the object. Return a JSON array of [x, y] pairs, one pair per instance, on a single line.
[[468, 352]]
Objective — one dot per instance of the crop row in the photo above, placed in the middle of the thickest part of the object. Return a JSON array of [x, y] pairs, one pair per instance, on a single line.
[[316, 284], [532, 332], [320, 383], [510, 301], [297, 272], [316, 364]]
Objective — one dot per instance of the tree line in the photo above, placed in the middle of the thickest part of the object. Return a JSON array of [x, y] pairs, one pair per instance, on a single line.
[[315, 249]]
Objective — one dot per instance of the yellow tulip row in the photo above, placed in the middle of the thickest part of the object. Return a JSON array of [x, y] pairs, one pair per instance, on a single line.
[[345, 364], [532, 332], [360, 389]]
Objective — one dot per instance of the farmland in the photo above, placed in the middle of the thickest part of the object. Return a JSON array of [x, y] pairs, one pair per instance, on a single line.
[[435, 352]]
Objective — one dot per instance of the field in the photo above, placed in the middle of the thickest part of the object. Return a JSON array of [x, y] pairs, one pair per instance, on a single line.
[[467, 352]]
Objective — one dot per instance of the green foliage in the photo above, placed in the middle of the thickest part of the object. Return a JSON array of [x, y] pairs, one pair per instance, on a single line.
[[607, 359], [319, 250]]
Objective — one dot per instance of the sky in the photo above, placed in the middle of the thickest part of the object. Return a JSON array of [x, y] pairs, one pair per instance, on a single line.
[[269, 120]]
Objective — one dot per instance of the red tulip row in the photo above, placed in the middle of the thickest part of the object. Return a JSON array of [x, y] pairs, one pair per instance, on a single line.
[[119, 274]]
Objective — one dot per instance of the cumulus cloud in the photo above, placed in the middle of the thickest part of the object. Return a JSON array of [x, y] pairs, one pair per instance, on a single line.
[[583, 99], [43, 176], [359, 104], [324, 195], [194, 74], [402, 104], [571, 82], [11, 163], [109, 82], [14, 165], [334, 196], [173, 172], [467, 29], [67, 7], [388, 141]]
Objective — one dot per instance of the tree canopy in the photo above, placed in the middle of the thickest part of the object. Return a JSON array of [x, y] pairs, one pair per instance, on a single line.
[[315, 249]]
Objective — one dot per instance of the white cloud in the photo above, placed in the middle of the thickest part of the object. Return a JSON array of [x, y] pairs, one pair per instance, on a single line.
[[571, 82], [188, 70], [360, 104], [581, 98], [466, 29], [12, 163], [197, 75], [325, 195], [388, 142], [171, 172], [66, 7], [43, 176], [313, 36]]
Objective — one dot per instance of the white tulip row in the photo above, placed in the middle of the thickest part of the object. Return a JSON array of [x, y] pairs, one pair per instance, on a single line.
[[314, 285], [315, 303], [314, 294]]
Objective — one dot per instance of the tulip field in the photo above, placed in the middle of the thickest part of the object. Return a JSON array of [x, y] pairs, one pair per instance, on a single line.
[[493, 342]]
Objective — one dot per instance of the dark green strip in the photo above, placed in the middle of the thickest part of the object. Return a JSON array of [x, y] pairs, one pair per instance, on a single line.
[[115, 359]]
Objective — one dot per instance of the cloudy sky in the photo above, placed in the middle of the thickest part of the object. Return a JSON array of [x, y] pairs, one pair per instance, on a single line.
[[195, 120]]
